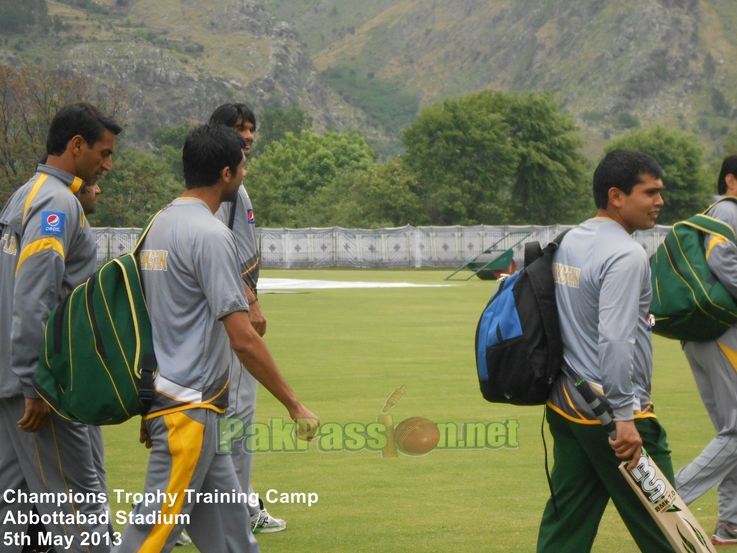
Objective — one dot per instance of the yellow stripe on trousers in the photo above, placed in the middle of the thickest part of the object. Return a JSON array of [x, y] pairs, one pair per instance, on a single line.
[[729, 353], [185, 445]]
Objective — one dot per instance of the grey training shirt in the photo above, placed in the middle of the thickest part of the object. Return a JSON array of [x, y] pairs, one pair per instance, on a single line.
[[603, 292], [189, 269], [244, 229]]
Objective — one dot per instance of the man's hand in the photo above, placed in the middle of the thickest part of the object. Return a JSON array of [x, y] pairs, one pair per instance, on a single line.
[[35, 416], [307, 422], [144, 436], [628, 444], [258, 321]]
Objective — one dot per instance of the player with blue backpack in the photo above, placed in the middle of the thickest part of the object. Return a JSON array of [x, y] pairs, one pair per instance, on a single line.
[[603, 293]]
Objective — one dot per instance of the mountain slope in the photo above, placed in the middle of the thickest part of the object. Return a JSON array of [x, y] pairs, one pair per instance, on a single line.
[[612, 63], [178, 59]]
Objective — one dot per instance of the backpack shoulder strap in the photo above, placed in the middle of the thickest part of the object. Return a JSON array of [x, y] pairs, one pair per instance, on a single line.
[[552, 246], [720, 200], [710, 225], [144, 232], [533, 250]]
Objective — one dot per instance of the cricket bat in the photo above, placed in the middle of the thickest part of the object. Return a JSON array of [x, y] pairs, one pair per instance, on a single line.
[[658, 496]]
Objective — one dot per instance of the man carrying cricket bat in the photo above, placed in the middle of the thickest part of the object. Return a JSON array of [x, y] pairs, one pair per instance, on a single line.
[[603, 292]]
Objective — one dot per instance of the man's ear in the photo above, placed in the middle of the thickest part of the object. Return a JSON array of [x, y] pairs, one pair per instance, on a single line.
[[226, 174], [731, 181], [75, 144], [616, 197]]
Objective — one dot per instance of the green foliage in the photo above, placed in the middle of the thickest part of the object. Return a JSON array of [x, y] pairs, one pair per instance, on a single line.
[[497, 158], [161, 40], [285, 182], [719, 103], [626, 120], [593, 116], [682, 159], [381, 100], [88, 5], [274, 124], [168, 142], [16, 16], [710, 67], [385, 195], [139, 184]]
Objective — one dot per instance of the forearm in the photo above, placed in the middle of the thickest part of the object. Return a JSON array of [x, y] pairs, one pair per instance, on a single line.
[[250, 296], [255, 356]]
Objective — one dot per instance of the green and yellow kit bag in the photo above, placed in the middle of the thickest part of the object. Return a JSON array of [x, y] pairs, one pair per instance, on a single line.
[[689, 303], [97, 360]]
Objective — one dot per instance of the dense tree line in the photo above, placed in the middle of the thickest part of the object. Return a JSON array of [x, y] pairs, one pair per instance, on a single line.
[[487, 158]]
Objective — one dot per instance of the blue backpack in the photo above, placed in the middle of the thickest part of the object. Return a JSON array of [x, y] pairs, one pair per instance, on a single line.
[[519, 350]]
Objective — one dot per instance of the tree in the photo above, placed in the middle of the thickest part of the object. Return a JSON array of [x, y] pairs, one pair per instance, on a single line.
[[385, 195], [286, 179], [682, 160], [30, 96], [168, 142], [550, 178], [497, 158], [139, 185], [274, 124], [17, 16]]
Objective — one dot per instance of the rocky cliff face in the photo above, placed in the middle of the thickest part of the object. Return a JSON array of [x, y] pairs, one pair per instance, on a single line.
[[248, 56]]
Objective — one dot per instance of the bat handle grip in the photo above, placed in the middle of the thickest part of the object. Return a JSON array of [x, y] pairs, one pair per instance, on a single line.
[[601, 411]]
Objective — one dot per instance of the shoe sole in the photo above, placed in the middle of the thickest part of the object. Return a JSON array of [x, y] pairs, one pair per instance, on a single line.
[[270, 530], [719, 541]]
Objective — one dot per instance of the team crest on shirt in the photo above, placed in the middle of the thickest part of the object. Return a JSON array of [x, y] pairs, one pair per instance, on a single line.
[[52, 223], [251, 218]]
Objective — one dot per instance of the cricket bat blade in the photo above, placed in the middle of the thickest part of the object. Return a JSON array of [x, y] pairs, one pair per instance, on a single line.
[[666, 507]]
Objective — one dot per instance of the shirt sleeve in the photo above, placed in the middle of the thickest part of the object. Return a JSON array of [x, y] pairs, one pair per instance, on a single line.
[[721, 254], [247, 251], [216, 269], [50, 228], [618, 319]]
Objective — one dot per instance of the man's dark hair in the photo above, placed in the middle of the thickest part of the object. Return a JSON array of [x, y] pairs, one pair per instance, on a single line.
[[230, 114], [729, 167], [207, 150], [82, 119], [622, 169]]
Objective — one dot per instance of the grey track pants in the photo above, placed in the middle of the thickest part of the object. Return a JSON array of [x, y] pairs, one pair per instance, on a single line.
[[61, 457], [184, 457], [242, 405], [716, 379]]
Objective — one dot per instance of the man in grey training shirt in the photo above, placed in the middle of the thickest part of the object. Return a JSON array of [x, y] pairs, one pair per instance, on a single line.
[[198, 309], [603, 292], [47, 249], [713, 365], [240, 216]]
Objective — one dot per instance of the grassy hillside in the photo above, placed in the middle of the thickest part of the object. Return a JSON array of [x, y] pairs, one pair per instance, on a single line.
[[614, 63]]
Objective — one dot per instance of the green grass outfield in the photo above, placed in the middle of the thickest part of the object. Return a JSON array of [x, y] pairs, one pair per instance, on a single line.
[[344, 352]]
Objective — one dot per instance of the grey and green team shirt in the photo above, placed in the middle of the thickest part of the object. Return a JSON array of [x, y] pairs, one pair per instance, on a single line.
[[603, 292], [721, 256], [189, 270], [244, 230], [46, 249]]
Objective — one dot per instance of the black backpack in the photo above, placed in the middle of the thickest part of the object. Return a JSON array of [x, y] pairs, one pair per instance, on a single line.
[[519, 350]]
